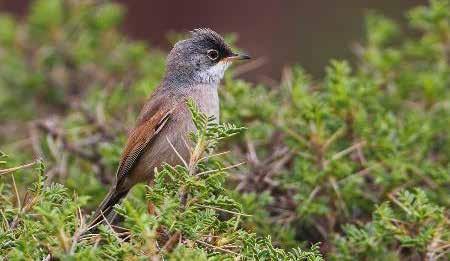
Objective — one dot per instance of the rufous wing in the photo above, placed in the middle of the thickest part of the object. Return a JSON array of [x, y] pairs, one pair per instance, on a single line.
[[140, 138]]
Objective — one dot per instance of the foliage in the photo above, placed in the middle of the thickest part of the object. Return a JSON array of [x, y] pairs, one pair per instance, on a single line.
[[189, 200], [358, 161], [415, 226]]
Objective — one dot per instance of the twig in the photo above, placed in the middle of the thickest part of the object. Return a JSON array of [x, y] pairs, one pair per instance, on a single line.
[[344, 152], [6, 171], [333, 137], [78, 232], [361, 173], [341, 202], [172, 242], [214, 170], [176, 152], [223, 210], [214, 155], [216, 247], [398, 203], [5, 220], [296, 136], [110, 227], [17, 193], [433, 248]]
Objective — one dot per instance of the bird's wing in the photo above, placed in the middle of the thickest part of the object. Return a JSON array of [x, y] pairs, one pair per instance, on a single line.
[[152, 120]]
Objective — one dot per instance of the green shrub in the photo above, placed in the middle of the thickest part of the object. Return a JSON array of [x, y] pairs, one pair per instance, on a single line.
[[187, 221]]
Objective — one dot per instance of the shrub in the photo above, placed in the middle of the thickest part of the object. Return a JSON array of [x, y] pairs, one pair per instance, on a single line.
[[186, 223]]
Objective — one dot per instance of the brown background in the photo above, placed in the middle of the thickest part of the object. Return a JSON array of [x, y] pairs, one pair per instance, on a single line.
[[285, 32]]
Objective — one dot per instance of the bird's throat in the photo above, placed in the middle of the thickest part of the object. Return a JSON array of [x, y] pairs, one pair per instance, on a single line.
[[214, 74]]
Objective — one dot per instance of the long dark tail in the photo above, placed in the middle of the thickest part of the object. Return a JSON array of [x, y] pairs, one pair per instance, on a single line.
[[106, 207]]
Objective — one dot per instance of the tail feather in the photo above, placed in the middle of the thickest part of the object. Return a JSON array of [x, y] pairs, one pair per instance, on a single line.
[[104, 209]]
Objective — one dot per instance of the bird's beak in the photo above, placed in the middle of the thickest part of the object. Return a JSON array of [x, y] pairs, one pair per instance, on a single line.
[[238, 56]]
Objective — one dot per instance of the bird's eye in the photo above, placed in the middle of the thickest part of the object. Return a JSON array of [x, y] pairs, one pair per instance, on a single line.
[[213, 54]]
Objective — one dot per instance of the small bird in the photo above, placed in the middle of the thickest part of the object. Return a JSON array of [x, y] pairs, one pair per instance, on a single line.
[[194, 69]]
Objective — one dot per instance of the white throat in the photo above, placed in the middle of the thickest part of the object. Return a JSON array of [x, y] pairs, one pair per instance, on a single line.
[[214, 74]]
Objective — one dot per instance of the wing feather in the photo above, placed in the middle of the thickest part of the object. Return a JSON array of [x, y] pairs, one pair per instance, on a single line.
[[140, 138]]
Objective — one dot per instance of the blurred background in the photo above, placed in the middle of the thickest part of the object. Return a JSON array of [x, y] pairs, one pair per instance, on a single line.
[[282, 32]]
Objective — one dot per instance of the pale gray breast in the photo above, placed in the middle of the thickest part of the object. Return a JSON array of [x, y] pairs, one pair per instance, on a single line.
[[207, 99], [176, 131]]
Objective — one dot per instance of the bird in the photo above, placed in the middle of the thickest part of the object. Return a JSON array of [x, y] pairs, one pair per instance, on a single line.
[[194, 69]]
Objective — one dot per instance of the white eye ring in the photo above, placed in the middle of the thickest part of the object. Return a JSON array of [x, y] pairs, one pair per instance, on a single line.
[[212, 54]]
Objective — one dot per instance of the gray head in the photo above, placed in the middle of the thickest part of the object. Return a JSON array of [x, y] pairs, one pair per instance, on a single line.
[[203, 58]]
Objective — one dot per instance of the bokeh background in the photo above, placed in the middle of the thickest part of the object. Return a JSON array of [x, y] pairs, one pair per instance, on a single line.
[[281, 32]]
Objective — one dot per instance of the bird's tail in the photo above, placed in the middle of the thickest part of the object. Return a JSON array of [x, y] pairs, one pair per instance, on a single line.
[[106, 207]]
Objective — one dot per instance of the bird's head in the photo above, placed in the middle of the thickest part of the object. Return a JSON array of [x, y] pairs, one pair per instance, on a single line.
[[202, 58]]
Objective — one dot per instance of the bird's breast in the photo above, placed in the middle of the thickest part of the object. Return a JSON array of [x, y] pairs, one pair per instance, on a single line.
[[207, 99], [172, 144]]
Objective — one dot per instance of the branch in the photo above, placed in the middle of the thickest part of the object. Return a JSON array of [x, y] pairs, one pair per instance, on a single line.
[[10, 170]]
